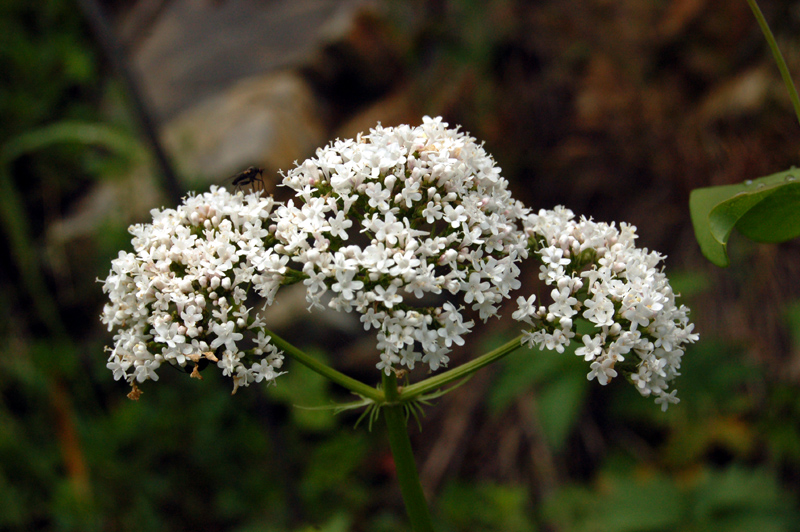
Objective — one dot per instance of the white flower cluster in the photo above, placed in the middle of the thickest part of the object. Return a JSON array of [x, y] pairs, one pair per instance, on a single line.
[[598, 273], [405, 226], [387, 222], [181, 297]]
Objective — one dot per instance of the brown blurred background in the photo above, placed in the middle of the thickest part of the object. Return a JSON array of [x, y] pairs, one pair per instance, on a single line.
[[616, 109]]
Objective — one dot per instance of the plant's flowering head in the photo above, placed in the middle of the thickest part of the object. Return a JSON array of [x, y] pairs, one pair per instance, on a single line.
[[403, 225], [598, 273], [181, 296]]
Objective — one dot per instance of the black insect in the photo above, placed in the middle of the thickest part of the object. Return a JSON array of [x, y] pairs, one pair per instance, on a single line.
[[250, 177]]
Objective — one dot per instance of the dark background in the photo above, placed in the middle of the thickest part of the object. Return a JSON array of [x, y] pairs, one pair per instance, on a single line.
[[616, 109]]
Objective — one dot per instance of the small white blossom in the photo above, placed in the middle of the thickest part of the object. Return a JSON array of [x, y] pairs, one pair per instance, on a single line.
[[603, 370], [592, 347], [526, 310], [345, 284]]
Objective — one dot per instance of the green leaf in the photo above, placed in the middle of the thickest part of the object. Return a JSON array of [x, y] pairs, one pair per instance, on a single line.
[[738, 490], [764, 210], [560, 383]]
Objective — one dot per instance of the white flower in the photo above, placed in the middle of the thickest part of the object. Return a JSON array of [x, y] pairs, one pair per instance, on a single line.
[[454, 215], [378, 196], [226, 335], [397, 212], [388, 296], [666, 398], [599, 309], [432, 212], [345, 283], [554, 257], [339, 225], [563, 303], [624, 294], [526, 309], [557, 340], [386, 229], [603, 370], [592, 347], [405, 264], [474, 289]]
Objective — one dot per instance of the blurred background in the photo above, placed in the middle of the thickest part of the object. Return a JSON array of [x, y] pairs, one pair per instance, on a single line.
[[616, 109]]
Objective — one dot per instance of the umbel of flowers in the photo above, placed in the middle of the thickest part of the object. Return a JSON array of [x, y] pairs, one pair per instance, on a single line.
[[386, 221], [598, 274], [181, 297], [411, 228]]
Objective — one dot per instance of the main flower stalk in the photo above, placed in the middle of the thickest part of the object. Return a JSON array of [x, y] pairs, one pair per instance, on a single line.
[[407, 476]]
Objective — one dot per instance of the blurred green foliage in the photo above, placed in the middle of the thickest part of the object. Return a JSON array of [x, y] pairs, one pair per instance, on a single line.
[[718, 461], [305, 393], [560, 385], [731, 499], [48, 73], [46, 67], [485, 506]]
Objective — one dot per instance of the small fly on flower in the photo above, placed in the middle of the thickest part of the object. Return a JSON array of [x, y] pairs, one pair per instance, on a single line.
[[249, 177]]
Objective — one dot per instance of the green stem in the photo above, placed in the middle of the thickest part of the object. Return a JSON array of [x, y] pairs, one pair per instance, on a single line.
[[776, 53], [407, 476], [462, 371], [316, 366]]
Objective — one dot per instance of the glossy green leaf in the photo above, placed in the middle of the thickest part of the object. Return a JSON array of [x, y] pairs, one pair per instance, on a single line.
[[765, 210]]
